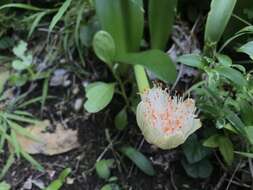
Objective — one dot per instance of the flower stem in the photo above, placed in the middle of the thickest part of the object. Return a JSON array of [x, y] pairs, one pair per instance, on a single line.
[[141, 78]]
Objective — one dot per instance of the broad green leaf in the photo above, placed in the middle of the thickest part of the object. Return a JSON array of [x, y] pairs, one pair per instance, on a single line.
[[20, 65], [103, 168], [104, 47], [217, 19], [120, 121], [59, 14], [20, 49], [139, 159], [247, 48], [58, 183], [161, 17], [224, 60], [124, 20], [111, 186], [226, 149], [98, 96], [4, 186], [232, 74], [156, 61], [6, 42], [193, 150], [193, 60], [212, 141], [87, 32], [201, 169]]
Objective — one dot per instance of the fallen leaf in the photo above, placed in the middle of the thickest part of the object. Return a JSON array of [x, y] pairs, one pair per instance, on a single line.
[[60, 141]]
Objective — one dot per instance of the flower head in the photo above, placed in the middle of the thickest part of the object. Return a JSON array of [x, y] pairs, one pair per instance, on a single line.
[[166, 121]]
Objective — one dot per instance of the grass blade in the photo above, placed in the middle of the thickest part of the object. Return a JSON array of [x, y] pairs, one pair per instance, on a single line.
[[59, 14]]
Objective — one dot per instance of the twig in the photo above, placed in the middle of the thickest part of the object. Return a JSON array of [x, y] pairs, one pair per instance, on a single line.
[[233, 175], [221, 181]]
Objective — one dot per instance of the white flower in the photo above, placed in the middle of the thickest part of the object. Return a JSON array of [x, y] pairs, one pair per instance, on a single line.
[[166, 121]]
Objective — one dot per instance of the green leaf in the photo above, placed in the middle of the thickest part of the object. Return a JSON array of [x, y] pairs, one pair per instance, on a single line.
[[9, 162], [111, 186], [212, 142], [103, 168], [161, 17], [124, 20], [4, 76], [6, 42], [231, 74], [59, 14], [249, 133], [20, 65], [247, 48], [156, 61], [247, 29], [30, 159], [217, 19], [226, 149], [104, 47], [193, 60], [120, 121], [201, 169], [21, 6], [193, 150], [36, 22], [99, 96], [58, 183], [20, 49], [224, 59], [139, 160], [4, 186], [245, 154], [87, 32]]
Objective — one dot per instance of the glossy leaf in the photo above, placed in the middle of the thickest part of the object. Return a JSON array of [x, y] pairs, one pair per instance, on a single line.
[[226, 149], [224, 60], [201, 169], [192, 60], [232, 74], [111, 186], [58, 183], [104, 47], [217, 19], [103, 168], [212, 142], [99, 95], [247, 48], [139, 159], [120, 121], [161, 17], [4, 186], [124, 20], [193, 150], [156, 61]]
